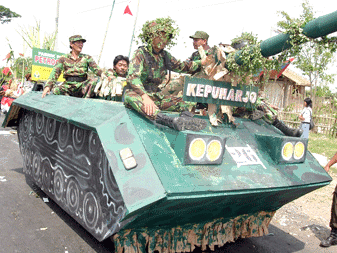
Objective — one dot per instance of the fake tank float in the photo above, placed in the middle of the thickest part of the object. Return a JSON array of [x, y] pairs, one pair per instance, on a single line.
[[149, 187]]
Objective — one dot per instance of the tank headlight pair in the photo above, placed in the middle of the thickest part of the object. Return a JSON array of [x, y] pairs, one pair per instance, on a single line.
[[293, 150], [283, 149], [204, 149]]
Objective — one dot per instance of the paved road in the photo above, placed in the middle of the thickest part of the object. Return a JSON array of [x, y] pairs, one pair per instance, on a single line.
[[28, 224]]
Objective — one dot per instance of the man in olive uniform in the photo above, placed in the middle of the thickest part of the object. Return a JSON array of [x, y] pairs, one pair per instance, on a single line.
[[147, 72], [75, 67], [200, 38]]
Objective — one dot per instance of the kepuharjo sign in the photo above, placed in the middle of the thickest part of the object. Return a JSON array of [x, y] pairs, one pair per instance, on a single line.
[[216, 92]]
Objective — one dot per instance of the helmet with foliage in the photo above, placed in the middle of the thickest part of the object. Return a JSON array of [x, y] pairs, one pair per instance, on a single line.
[[154, 28]]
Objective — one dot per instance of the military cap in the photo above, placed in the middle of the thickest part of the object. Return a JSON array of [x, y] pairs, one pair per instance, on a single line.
[[200, 35], [76, 38]]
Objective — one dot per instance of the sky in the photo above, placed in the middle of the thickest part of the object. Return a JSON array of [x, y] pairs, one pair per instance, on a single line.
[[223, 20]]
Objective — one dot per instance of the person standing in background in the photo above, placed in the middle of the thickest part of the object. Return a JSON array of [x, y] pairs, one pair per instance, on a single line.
[[305, 117]]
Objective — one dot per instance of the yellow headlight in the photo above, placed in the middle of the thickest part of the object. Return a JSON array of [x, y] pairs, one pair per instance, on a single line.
[[214, 149], [299, 150], [287, 151], [197, 149]]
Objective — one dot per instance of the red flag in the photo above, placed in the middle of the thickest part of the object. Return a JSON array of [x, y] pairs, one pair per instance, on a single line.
[[127, 10]]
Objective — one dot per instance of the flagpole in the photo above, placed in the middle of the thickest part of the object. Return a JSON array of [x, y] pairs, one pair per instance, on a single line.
[[99, 58], [134, 27]]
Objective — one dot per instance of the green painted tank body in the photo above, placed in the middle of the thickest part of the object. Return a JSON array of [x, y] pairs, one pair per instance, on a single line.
[[151, 187], [71, 148]]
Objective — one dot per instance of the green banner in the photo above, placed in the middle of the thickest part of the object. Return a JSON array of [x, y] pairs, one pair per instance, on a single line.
[[43, 63], [222, 93]]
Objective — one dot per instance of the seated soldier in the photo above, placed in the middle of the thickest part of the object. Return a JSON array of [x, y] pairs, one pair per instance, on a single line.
[[113, 90], [268, 113], [75, 67], [148, 69]]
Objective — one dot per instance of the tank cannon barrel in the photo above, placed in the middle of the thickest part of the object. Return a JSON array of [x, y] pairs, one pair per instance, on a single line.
[[318, 27]]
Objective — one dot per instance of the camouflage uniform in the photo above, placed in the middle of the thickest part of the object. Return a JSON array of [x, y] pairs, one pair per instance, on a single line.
[[74, 68], [147, 75], [270, 114]]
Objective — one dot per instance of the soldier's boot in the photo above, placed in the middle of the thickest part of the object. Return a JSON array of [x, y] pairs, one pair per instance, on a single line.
[[331, 240], [287, 130], [181, 123]]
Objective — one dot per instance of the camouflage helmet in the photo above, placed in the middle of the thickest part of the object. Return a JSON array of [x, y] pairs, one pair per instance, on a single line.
[[154, 27], [76, 38]]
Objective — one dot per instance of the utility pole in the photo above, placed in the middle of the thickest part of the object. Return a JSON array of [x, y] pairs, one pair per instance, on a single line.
[[57, 24]]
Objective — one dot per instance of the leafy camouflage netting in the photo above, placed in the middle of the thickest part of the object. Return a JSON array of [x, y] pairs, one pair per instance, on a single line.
[[187, 237]]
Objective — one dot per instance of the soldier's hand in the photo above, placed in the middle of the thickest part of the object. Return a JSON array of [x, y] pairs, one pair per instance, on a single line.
[[149, 107], [45, 91]]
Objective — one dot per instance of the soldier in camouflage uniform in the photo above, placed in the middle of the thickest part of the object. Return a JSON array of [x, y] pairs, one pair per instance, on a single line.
[[200, 38], [147, 71], [113, 90], [268, 113], [75, 70]]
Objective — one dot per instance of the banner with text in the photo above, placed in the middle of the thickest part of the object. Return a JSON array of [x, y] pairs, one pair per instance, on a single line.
[[43, 62], [222, 93]]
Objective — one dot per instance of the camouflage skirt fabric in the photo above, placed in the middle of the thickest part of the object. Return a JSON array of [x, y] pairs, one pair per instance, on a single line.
[[163, 102], [186, 238], [76, 89]]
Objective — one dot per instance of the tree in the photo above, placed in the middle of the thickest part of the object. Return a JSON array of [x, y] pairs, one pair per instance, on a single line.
[[323, 91], [6, 15], [313, 57]]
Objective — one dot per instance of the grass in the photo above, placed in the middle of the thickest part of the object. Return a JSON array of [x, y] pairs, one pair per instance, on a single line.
[[323, 145]]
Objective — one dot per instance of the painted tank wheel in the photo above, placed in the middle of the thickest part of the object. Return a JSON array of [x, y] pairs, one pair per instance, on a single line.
[[78, 138], [36, 165], [58, 185], [63, 134], [39, 122], [73, 196], [46, 172], [90, 210], [50, 129]]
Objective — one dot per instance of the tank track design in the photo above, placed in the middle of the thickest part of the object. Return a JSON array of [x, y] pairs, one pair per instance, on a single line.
[[69, 164]]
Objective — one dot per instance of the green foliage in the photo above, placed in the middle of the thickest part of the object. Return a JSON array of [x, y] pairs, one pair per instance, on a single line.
[[22, 66], [312, 56], [252, 61], [245, 36], [153, 28], [32, 37], [323, 91], [6, 15]]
